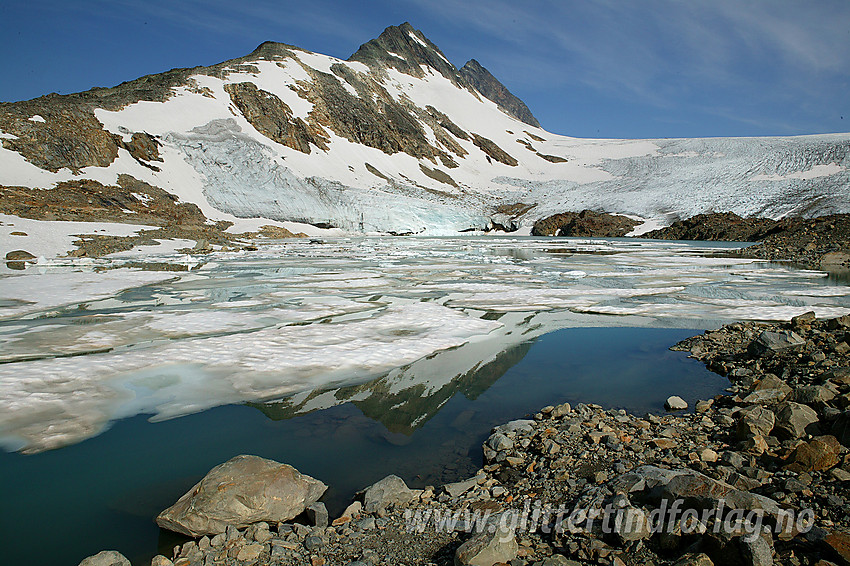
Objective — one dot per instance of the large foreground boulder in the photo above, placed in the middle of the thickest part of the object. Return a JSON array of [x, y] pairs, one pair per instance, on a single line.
[[243, 490], [106, 558]]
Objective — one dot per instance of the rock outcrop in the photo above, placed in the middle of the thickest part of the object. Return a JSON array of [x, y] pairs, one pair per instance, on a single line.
[[586, 223]]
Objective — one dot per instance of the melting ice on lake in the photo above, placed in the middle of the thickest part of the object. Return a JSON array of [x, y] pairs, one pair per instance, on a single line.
[[82, 348]]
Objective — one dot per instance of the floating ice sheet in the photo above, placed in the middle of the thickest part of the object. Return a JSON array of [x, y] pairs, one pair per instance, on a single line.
[[299, 315]]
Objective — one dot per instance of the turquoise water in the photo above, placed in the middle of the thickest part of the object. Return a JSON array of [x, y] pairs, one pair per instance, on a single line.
[[104, 492]]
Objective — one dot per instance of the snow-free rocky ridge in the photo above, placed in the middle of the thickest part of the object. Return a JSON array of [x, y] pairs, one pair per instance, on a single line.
[[394, 140]]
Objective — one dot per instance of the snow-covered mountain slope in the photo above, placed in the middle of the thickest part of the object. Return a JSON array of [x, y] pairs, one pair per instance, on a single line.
[[395, 139]]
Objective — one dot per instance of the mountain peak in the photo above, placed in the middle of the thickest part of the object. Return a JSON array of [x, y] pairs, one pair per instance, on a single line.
[[476, 76], [405, 48]]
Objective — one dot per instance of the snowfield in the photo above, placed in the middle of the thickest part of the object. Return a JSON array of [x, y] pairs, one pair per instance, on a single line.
[[215, 158]]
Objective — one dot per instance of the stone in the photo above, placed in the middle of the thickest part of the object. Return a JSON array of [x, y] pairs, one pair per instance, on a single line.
[[499, 442], [841, 428], [703, 406], [770, 381], [242, 491], [804, 319], [160, 560], [106, 558], [249, 552], [350, 512], [838, 322], [559, 560], [459, 488], [317, 513], [707, 455], [765, 397], [561, 410], [770, 342], [675, 403], [313, 543], [794, 420], [19, 255], [631, 524], [839, 543], [754, 421], [694, 560], [839, 474], [389, 491], [757, 552], [821, 453], [495, 543], [812, 394], [755, 445], [518, 425]]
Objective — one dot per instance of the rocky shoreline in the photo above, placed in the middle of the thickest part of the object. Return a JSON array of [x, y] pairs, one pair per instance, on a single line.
[[761, 476], [814, 243]]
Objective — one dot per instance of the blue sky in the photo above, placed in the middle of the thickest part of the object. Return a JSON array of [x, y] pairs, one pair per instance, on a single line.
[[654, 68]]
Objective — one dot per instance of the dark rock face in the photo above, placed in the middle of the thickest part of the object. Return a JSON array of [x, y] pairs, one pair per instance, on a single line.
[[494, 151], [476, 76], [413, 48], [820, 243], [724, 226], [88, 200], [586, 223], [272, 117]]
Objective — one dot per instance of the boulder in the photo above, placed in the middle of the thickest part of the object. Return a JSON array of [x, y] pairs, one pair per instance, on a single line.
[[241, 491], [317, 513], [770, 342], [694, 560], [631, 524], [495, 543], [770, 381], [821, 453], [812, 394], [754, 421], [675, 403], [794, 420], [389, 491], [106, 558], [839, 543], [841, 428], [499, 442]]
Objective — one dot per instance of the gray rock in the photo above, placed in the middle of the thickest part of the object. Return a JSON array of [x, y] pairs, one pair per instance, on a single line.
[[106, 558], [317, 513], [675, 403], [794, 420], [493, 544], [812, 394], [694, 560], [160, 560], [774, 342], [561, 410], [632, 524], [758, 552], [499, 442], [389, 491], [459, 488], [560, 560], [313, 542], [518, 425], [765, 397], [754, 421], [243, 490]]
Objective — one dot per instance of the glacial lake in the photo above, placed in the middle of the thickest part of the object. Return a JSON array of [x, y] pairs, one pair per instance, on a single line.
[[348, 358]]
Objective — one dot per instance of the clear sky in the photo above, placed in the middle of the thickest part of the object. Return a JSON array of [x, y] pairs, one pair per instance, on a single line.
[[602, 68]]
